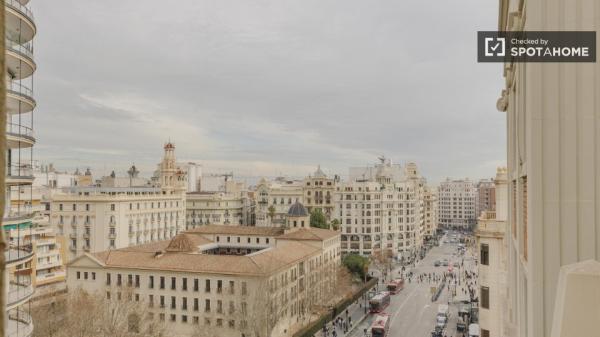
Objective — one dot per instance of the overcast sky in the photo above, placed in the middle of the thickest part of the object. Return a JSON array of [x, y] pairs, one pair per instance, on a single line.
[[267, 87]]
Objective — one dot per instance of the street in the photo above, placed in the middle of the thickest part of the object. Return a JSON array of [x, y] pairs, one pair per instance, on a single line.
[[412, 312]]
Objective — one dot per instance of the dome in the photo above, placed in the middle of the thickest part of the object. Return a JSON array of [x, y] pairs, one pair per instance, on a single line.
[[297, 210]]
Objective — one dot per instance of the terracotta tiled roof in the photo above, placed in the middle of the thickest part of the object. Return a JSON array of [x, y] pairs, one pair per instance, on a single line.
[[260, 263], [312, 233], [237, 230], [186, 242]]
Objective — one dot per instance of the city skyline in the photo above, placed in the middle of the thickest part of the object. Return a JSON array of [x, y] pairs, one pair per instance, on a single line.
[[215, 79]]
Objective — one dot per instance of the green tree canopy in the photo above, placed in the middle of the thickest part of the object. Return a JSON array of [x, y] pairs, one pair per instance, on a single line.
[[356, 264], [318, 219], [335, 224]]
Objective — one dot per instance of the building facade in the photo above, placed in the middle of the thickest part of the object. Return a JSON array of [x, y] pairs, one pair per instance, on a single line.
[[95, 219], [486, 196], [20, 30], [382, 214], [318, 191], [273, 200], [457, 204], [430, 213], [490, 234], [217, 208], [225, 280], [552, 114]]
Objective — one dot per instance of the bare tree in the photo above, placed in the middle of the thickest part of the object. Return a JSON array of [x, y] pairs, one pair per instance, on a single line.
[[91, 315], [382, 261]]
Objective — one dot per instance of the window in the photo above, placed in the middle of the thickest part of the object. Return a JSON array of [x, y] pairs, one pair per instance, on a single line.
[[119, 279], [78, 275], [207, 306], [151, 301], [485, 297], [112, 207], [485, 333], [196, 304], [173, 283], [93, 275], [85, 275], [162, 301], [108, 295], [107, 279], [231, 287], [244, 289], [184, 283], [137, 281], [196, 284], [485, 254], [173, 317], [207, 286], [184, 303], [219, 286], [151, 282], [161, 316], [173, 302], [162, 282], [196, 320], [184, 319]]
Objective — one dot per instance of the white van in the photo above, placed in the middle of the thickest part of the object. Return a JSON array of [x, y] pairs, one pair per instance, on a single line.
[[443, 310], [474, 330]]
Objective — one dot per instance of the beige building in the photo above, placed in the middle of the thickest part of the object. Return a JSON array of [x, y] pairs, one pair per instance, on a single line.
[[552, 113], [217, 208], [382, 214], [274, 198], [430, 210], [225, 280], [318, 192], [490, 233], [95, 219], [457, 204]]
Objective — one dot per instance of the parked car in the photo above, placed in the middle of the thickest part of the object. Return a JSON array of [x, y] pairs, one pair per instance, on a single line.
[[445, 263], [437, 263]]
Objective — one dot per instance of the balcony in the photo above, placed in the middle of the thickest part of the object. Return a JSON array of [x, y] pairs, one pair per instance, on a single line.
[[20, 25], [18, 255], [19, 136], [19, 98], [19, 324], [19, 174], [50, 277], [19, 292]]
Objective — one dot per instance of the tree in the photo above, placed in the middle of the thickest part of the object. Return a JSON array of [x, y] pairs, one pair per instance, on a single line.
[[91, 315], [382, 261], [318, 219], [356, 264], [272, 211], [335, 224]]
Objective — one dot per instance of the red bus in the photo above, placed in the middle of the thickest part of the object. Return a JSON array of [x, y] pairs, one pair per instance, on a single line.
[[379, 302], [395, 286], [380, 326]]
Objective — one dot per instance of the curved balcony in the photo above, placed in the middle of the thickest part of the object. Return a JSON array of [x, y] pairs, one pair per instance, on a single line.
[[19, 98], [18, 255], [19, 324], [19, 174], [19, 136], [20, 25], [19, 292], [19, 59], [15, 217]]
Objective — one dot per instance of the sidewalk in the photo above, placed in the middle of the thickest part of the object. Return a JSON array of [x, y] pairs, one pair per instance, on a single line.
[[356, 311]]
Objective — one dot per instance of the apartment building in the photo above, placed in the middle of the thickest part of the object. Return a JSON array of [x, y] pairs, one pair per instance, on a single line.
[[318, 192], [95, 219], [430, 212], [486, 196], [217, 208], [552, 115], [490, 234], [274, 198], [457, 204], [20, 30], [225, 280], [384, 213]]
